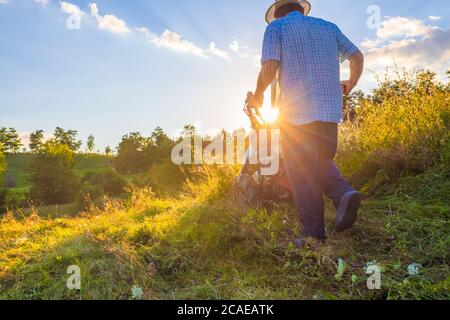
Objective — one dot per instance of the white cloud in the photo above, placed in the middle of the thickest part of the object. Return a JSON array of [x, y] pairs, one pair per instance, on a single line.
[[70, 8], [3, 1], [429, 52], [174, 41], [371, 44], [217, 52], [434, 18], [43, 2], [234, 46], [403, 27], [410, 44], [109, 22]]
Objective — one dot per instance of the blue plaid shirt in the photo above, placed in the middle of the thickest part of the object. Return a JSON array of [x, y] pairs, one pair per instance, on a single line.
[[308, 50]]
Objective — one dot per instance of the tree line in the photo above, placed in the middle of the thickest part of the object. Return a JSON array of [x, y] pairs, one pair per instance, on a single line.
[[52, 177]]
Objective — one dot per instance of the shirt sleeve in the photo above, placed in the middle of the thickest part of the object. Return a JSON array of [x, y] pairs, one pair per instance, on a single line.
[[272, 43], [345, 46]]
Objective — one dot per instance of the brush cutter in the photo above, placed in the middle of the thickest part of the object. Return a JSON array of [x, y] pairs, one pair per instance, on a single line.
[[251, 186]]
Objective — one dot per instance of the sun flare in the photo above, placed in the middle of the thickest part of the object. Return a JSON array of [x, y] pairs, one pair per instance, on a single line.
[[269, 113]]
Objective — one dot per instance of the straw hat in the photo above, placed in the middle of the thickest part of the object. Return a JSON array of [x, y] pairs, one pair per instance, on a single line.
[[270, 15]]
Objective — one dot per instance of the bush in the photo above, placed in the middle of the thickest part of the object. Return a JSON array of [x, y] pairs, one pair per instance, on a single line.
[[96, 185], [109, 181], [168, 178], [88, 195], [397, 134], [52, 177]]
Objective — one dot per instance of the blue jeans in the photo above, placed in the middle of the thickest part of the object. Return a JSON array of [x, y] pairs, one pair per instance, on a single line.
[[309, 153]]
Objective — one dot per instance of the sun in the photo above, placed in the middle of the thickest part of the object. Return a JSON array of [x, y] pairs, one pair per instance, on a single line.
[[269, 113]]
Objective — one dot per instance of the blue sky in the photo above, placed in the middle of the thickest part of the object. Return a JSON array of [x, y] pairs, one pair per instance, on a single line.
[[135, 65]]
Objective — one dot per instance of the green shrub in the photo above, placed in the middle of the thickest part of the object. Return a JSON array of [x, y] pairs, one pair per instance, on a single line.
[[88, 195], [95, 185], [52, 177], [109, 181], [403, 128]]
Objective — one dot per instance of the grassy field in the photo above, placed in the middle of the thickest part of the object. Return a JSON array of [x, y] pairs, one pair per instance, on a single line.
[[18, 168], [202, 246]]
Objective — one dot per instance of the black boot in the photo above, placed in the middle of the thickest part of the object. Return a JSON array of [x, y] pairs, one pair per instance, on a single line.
[[347, 212]]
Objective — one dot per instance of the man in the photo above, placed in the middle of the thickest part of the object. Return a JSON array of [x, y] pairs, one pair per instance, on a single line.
[[306, 52]]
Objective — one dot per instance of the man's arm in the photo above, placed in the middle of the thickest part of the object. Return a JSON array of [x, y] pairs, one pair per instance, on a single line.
[[266, 76], [356, 70]]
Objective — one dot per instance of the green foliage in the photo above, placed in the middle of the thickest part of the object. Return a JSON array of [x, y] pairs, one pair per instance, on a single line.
[[108, 150], [52, 176], [402, 128], [10, 140], [96, 185], [167, 178], [90, 144], [137, 153], [68, 138], [89, 195], [19, 168], [111, 183], [36, 140], [130, 154]]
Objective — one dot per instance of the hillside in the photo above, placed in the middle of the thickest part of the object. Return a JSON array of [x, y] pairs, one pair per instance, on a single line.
[[18, 167], [203, 246]]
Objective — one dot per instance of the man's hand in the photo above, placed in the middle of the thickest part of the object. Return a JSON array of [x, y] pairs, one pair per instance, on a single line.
[[356, 70], [255, 101], [347, 87]]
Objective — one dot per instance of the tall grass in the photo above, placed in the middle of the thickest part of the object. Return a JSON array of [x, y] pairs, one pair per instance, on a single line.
[[402, 129]]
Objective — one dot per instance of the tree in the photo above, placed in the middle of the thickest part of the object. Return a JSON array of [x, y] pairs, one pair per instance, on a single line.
[[52, 177], [130, 154], [351, 103], [160, 147], [189, 131], [36, 140], [108, 151], [90, 143], [448, 73], [10, 140], [68, 138]]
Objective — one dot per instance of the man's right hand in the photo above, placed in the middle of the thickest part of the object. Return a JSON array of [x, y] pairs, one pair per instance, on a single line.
[[254, 100], [347, 87]]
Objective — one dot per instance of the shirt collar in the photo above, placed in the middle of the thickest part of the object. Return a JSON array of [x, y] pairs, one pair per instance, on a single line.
[[296, 13]]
